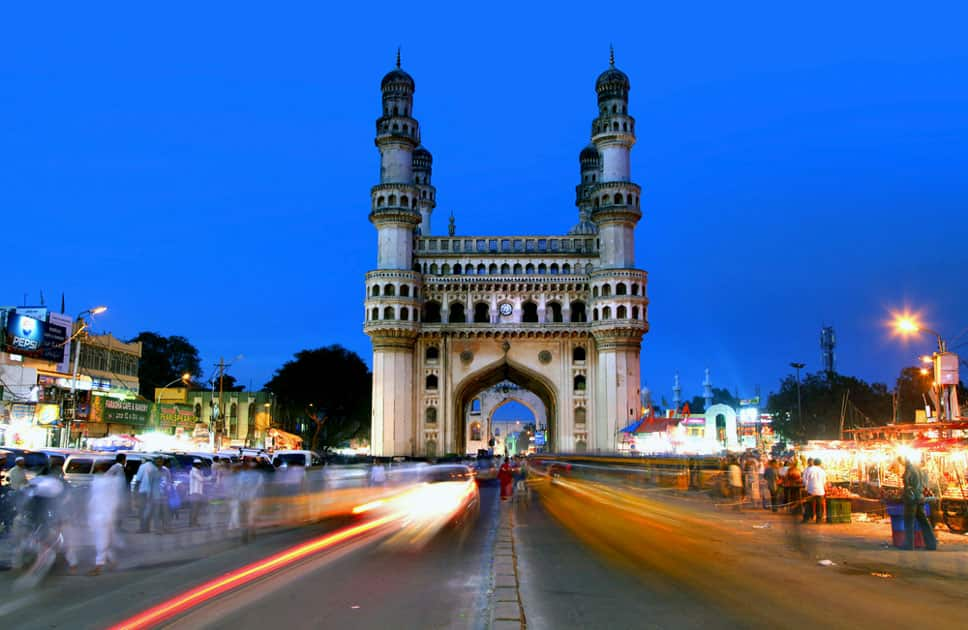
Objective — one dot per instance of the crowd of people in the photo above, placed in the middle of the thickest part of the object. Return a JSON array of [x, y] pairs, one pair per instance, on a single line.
[[44, 513], [774, 484]]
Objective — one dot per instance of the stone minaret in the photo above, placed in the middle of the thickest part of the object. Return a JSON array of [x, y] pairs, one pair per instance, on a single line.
[[707, 390], [618, 288], [427, 194], [392, 305], [676, 393]]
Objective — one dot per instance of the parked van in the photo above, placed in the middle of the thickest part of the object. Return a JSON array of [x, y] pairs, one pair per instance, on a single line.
[[306, 459], [79, 467]]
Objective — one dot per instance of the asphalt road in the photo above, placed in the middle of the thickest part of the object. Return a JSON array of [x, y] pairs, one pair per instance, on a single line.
[[578, 566]]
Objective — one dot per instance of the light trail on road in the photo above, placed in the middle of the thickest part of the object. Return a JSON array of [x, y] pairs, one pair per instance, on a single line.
[[727, 566], [244, 575]]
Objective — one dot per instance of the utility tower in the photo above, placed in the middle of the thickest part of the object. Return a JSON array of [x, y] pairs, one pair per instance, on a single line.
[[827, 342]]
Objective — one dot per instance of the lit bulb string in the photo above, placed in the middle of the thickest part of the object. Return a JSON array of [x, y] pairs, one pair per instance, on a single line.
[[242, 576]]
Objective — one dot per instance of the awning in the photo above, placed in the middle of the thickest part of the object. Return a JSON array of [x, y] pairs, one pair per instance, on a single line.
[[285, 440], [657, 425]]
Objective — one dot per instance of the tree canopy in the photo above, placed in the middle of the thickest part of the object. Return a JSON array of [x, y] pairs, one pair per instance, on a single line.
[[330, 388], [163, 360], [822, 400]]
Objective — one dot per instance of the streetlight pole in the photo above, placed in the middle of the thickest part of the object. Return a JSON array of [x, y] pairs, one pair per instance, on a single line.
[[798, 367], [945, 367], [97, 310]]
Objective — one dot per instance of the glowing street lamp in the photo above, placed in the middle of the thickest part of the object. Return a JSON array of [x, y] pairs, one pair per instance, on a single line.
[[185, 378], [945, 365], [908, 325]]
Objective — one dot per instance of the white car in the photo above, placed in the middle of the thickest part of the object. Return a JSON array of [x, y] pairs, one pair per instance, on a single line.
[[306, 459]]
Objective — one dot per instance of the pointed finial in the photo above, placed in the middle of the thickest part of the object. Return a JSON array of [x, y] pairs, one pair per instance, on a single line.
[[611, 55], [398, 56]]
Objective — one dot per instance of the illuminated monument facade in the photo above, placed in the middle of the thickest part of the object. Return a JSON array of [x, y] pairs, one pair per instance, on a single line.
[[451, 317]]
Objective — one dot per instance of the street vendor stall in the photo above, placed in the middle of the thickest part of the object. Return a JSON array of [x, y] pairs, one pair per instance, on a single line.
[[281, 440]]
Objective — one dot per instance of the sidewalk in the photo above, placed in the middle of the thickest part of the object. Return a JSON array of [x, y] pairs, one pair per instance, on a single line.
[[863, 544], [138, 550]]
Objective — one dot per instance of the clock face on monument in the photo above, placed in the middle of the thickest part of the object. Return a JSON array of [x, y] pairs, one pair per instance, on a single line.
[[506, 309]]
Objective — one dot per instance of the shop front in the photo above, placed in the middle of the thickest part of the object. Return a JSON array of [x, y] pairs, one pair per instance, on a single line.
[[29, 425]]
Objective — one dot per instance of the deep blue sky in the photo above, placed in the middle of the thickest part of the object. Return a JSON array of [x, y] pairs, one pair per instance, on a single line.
[[204, 169]]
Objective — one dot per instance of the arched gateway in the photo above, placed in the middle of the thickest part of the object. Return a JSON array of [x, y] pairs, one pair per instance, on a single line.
[[560, 316]]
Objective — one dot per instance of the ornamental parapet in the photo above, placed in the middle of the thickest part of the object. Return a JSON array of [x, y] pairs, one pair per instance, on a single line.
[[505, 331], [397, 129], [405, 216], [398, 334], [616, 214], [505, 245]]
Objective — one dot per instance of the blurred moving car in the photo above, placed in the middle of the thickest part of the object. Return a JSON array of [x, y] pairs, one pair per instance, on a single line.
[[452, 487], [485, 469]]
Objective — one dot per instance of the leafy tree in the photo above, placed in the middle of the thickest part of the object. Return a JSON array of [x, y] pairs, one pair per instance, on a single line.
[[697, 405], [163, 360], [822, 397], [911, 389], [229, 384], [328, 387]]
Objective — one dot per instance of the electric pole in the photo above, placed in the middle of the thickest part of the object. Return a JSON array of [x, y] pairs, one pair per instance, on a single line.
[[798, 367]]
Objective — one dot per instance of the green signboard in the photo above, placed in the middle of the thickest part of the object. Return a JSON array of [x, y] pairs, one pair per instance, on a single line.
[[175, 415], [125, 411]]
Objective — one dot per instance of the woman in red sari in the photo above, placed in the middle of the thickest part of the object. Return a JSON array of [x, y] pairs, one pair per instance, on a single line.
[[506, 478]]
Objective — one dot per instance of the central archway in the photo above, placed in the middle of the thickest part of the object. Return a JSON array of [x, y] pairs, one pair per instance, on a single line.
[[504, 370]]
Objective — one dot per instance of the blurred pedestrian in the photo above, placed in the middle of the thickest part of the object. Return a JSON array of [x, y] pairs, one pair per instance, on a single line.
[[751, 480], [196, 491], [506, 478], [378, 474], [792, 484], [17, 477], [169, 499], [118, 468], [913, 498], [143, 484], [230, 488], [815, 482], [772, 478], [102, 509], [249, 487], [734, 482]]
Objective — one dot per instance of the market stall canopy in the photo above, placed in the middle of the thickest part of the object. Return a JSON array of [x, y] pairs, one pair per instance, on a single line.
[[286, 441], [656, 425]]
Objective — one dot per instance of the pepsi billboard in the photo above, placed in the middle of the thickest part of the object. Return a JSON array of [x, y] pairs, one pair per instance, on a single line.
[[24, 335]]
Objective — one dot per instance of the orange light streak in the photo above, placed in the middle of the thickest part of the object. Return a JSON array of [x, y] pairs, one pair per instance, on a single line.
[[244, 575]]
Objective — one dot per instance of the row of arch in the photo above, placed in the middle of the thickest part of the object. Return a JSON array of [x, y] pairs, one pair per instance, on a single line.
[[517, 269], [432, 354], [390, 290], [604, 127], [481, 314], [390, 313], [616, 200], [620, 289], [392, 201], [615, 109], [395, 129], [621, 312], [396, 110], [432, 382]]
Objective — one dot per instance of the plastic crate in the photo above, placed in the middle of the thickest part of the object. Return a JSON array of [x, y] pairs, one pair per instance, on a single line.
[[896, 512], [838, 510]]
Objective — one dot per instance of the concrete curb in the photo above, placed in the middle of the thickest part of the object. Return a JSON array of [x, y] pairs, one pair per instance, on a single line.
[[507, 612]]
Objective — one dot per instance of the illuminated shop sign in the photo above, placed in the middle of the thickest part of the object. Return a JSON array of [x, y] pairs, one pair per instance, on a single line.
[[24, 335]]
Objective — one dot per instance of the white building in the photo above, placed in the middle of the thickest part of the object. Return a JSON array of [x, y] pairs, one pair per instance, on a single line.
[[562, 316]]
